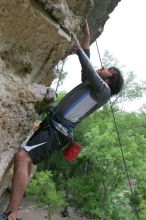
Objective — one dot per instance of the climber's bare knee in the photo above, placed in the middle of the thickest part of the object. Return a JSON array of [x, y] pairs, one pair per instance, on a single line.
[[22, 157]]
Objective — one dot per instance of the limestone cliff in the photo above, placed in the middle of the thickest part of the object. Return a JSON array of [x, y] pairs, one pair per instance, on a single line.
[[34, 36]]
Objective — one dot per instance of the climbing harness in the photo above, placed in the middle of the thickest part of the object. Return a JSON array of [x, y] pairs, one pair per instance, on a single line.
[[120, 145], [73, 149]]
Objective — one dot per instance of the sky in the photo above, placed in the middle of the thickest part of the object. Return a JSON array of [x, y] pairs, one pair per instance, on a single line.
[[124, 36]]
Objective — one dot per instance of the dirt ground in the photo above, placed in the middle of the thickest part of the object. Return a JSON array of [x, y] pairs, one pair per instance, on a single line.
[[30, 211]]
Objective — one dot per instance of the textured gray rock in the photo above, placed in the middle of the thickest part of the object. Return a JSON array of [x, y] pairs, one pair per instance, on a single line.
[[34, 36]]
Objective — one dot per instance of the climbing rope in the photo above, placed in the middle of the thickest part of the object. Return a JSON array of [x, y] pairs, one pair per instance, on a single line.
[[120, 145]]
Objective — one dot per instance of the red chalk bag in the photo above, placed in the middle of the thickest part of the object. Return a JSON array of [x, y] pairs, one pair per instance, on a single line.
[[72, 151]]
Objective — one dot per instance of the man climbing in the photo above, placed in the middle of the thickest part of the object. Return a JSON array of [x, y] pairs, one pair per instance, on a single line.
[[95, 90]]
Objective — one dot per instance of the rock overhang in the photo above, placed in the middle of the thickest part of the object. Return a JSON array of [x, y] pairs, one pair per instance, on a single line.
[[35, 34]]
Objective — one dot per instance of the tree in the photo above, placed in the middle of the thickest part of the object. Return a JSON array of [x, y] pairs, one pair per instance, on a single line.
[[103, 165], [132, 89], [44, 191], [60, 73]]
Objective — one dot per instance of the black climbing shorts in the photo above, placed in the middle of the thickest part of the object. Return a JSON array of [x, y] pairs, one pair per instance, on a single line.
[[43, 142]]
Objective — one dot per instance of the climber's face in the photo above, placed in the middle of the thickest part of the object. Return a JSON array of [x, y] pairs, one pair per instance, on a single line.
[[106, 73]]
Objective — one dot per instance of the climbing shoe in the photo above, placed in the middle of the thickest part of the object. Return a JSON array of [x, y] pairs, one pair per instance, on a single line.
[[4, 216]]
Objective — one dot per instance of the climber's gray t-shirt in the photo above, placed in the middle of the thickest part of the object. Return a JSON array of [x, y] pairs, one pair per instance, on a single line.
[[84, 99]]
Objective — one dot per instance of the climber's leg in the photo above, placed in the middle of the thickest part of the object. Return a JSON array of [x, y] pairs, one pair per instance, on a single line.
[[38, 148], [19, 182], [30, 166]]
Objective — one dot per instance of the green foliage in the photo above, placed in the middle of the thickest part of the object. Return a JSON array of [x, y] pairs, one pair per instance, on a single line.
[[143, 210], [119, 207], [87, 194], [59, 97], [103, 163], [97, 182], [44, 191]]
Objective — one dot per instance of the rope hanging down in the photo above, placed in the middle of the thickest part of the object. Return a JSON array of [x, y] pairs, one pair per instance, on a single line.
[[121, 148]]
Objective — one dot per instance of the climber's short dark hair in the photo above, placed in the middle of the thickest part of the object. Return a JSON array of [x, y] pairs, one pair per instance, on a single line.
[[116, 81]]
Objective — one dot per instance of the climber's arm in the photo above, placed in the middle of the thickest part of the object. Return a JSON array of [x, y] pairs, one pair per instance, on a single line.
[[86, 36], [84, 45]]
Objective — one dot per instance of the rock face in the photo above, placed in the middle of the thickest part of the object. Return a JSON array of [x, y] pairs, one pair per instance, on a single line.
[[34, 36]]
